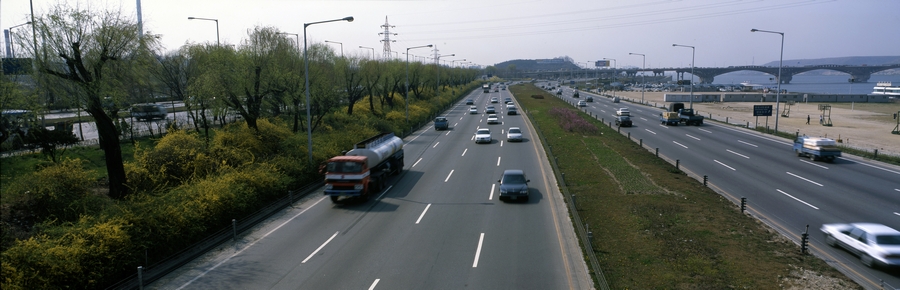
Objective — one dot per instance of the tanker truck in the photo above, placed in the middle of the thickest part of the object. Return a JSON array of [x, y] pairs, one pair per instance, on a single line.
[[362, 171]]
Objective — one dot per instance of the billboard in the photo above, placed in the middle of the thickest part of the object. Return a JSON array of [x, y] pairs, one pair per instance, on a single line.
[[601, 63]]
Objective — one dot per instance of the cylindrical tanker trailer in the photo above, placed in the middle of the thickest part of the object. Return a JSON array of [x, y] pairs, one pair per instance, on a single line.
[[363, 170]]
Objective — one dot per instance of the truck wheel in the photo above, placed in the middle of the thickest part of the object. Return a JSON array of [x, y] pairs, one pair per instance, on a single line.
[[812, 157], [799, 154], [334, 199]]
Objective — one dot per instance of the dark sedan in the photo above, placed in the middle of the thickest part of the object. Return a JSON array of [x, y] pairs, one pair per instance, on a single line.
[[623, 121]]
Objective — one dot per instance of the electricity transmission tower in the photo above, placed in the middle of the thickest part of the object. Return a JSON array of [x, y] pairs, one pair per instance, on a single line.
[[387, 38]]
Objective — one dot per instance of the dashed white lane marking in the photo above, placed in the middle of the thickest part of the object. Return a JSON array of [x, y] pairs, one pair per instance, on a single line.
[[373, 284], [807, 180], [464, 152], [751, 144], [704, 130], [679, 144], [723, 164], [897, 213], [423, 213], [435, 144], [695, 138], [797, 199], [490, 197], [501, 143], [448, 132], [498, 160], [478, 251], [320, 248], [810, 163], [448, 176], [738, 154], [417, 162], [654, 133]]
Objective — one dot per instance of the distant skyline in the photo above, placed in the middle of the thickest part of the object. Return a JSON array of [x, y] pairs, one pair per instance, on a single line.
[[493, 31]]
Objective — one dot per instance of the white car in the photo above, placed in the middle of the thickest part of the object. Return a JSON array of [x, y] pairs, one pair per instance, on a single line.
[[473, 110], [582, 104], [514, 134], [483, 136], [492, 119], [622, 112], [875, 244], [494, 100]]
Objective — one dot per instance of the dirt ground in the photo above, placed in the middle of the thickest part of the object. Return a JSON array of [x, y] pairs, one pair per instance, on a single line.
[[861, 126]]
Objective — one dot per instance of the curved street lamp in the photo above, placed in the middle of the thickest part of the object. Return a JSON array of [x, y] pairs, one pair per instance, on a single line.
[[306, 81], [12, 50], [780, 59], [406, 95], [210, 19], [643, 67], [437, 68], [692, 71], [342, 47], [372, 48]]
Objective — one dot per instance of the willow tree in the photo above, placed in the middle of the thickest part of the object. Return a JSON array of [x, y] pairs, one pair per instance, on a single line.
[[99, 53]]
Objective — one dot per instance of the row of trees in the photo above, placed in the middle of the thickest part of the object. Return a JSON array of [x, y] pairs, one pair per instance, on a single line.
[[100, 63]]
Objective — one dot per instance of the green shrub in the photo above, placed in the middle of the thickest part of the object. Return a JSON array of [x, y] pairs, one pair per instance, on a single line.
[[177, 157], [52, 191]]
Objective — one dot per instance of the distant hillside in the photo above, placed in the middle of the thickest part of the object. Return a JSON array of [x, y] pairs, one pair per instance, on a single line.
[[847, 60]]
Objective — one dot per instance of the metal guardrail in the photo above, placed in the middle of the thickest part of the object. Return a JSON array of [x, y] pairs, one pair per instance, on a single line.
[[160, 269]]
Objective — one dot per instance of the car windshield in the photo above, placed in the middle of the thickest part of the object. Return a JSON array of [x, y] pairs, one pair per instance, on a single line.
[[440, 119], [515, 131], [344, 167], [513, 179], [888, 240], [626, 119], [483, 131]]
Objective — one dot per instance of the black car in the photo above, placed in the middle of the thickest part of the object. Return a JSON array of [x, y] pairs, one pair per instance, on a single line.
[[513, 185], [589, 99], [623, 121], [470, 102]]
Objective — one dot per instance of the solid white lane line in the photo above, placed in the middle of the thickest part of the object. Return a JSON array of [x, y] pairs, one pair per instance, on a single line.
[[417, 136], [807, 180], [723, 164], [498, 161], [748, 143], [435, 144], [373, 284], [876, 167], [679, 144], [490, 197], [385, 191], [423, 213], [704, 130], [417, 162], [654, 133], [448, 176], [464, 152], [695, 138], [810, 163], [250, 245], [320, 248], [797, 199], [478, 251], [738, 154]]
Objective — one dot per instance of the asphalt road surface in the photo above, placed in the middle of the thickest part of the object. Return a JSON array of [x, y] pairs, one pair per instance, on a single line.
[[438, 226], [782, 190]]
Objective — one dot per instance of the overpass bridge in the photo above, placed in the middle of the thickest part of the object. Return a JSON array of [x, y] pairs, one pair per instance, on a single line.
[[858, 73]]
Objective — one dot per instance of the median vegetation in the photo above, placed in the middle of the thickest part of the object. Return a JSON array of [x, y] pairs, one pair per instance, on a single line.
[[653, 226]]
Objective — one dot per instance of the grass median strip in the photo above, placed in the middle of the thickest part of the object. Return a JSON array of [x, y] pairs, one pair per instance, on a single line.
[[654, 227]]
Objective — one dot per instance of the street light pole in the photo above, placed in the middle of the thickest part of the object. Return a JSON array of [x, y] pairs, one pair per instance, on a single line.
[[692, 71], [780, 59], [643, 67], [306, 82], [615, 72], [452, 62], [406, 95], [437, 67], [210, 19], [373, 50], [342, 47], [12, 48]]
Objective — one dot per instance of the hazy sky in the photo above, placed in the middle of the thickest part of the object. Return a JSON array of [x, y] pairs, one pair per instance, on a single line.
[[491, 31]]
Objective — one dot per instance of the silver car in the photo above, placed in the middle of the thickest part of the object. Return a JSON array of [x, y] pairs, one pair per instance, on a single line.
[[514, 134], [473, 110], [483, 136], [492, 119], [875, 244]]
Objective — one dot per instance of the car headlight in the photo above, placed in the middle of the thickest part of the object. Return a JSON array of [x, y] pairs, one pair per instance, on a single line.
[[328, 186], [524, 191], [503, 190], [358, 187]]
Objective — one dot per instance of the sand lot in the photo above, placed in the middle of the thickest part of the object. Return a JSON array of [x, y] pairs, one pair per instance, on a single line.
[[863, 126]]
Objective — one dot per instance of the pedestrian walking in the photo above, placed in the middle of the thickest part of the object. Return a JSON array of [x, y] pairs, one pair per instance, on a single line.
[[807, 119]]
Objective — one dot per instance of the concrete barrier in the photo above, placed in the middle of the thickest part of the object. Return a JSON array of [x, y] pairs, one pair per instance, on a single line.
[[701, 98]]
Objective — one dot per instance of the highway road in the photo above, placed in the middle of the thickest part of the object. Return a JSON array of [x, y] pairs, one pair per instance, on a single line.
[[782, 190], [438, 226]]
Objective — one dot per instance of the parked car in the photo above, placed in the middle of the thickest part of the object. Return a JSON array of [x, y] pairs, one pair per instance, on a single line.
[[512, 110], [149, 112], [875, 244], [470, 102], [582, 104], [492, 119], [514, 134], [623, 121], [513, 185], [483, 136], [441, 123], [490, 110], [473, 110]]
